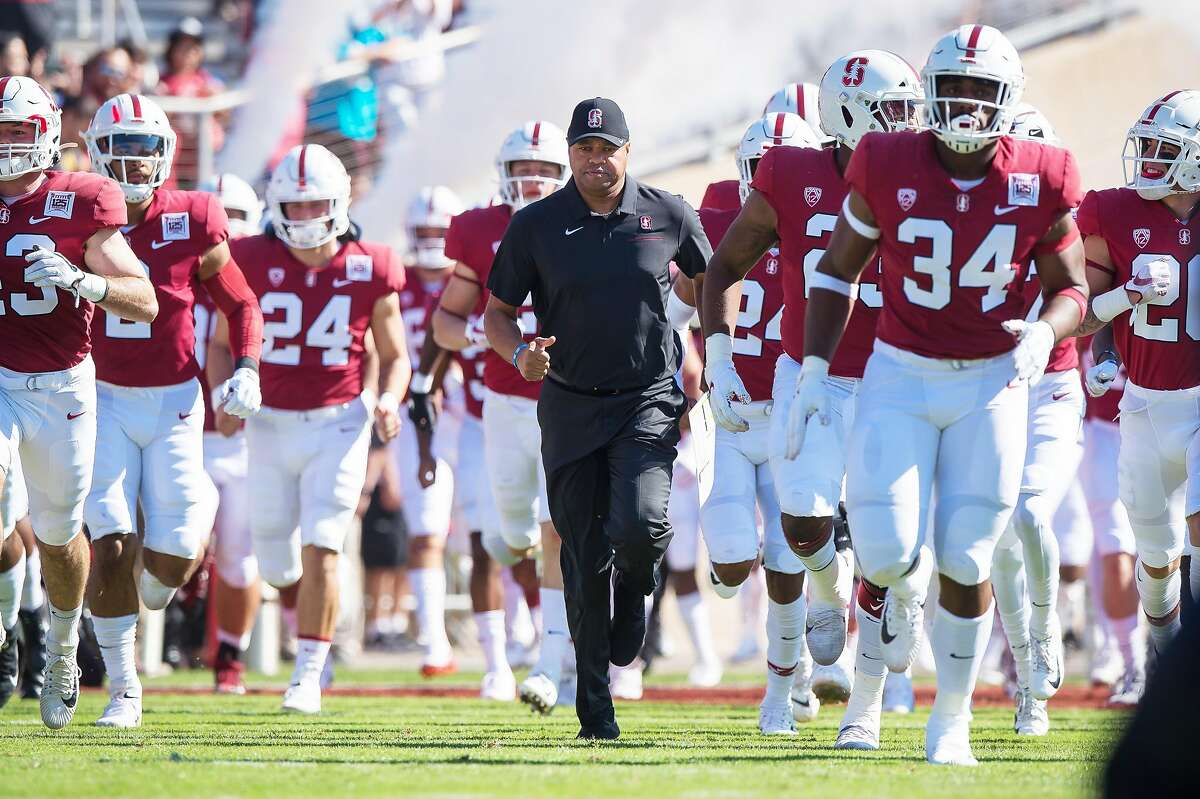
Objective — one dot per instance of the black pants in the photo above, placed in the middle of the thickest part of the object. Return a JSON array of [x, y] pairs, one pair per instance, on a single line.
[[608, 475]]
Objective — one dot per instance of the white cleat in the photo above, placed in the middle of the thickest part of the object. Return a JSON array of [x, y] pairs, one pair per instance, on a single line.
[[302, 698], [825, 631], [498, 686], [625, 682], [857, 736], [1046, 662], [124, 710], [747, 649], [1129, 689], [60, 693], [705, 675], [833, 683], [948, 741], [901, 630], [719, 588], [1031, 717], [776, 719], [539, 692], [898, 693], [805, 704]]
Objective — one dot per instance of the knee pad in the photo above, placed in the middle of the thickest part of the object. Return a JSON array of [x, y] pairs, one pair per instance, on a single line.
[[1157, 543], [971, 567], [56, 532], [155, 595], [237, 571], [1031, 513], [521, 536], [497, 547], [278, 559]]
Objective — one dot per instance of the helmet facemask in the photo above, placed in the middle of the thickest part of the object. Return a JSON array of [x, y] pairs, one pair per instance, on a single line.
[[511, 185], [960, 128], [120, 156], [1158, 163], [308, 234], [21, 158], [429, 248]]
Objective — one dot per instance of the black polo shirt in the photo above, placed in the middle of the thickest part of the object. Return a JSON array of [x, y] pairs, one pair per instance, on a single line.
[[600, 283]]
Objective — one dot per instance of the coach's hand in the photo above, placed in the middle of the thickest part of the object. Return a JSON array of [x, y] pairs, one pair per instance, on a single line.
[[1035, 340], [387, 417], [725, 386], [811, 399], [1100, 377], [534, 360]]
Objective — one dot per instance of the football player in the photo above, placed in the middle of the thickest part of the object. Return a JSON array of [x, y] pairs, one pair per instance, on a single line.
[[150, 412], [63, 254], [236, 591], [957, 213], [320, 289], [532, 162], [1142, 242], [795, 199], [13, 507]]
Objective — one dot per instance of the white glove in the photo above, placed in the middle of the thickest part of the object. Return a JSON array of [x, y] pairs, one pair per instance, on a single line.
[[475, 332], [1151, 280], [724, 385], [1035, 340], [239, 395], [1099, 378], [48, 269], [811, 399]]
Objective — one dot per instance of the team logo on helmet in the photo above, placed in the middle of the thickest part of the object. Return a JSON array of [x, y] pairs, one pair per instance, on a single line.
[[646, 222], [1185, 235], [855, 71], [595, 118], [906, 197], [812, 195], [275, 275], [1141, 237]]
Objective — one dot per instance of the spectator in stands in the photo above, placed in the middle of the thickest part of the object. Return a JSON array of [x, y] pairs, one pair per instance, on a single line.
[[107, 73], [14, 57], [186, 76], [144, 72], [74, 123], [33, 21]]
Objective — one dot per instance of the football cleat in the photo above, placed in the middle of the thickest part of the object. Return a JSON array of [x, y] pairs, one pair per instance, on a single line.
[[948, 741], [227, 674], [898, 693], [438, 670], [1046, 662], [498, 686], [857, 736], [1031, 717], [625, 682], [1129, 689], [805, 704], [747, 649], [825, 630], [539, 692], [705, 675], [833, 683], [901, 630], [60, 690], [124, 710], [10, 664], [776, 719], [302, 697]]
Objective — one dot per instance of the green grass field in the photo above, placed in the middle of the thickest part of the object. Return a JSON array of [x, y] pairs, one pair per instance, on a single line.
[[207, 746]]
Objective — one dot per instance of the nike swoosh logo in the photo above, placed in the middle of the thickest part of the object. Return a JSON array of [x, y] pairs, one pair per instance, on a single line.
[[576, 230], [1061, 395], [1001, 210], [792, 638], [340, 282], [868, 657], [37, 220], [183, 416], [158, 245], [1057, 681], [962, 657], [75, 415], [885, 636]]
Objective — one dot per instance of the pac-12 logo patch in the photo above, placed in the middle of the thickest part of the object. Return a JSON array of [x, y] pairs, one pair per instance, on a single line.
[[595, 118], [812, 195], [906, 197], [645, 222], [1141, 237], [275, 275]]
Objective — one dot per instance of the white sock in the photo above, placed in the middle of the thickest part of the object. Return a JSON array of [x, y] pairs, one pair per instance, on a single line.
[[822, 568], [514, 598], [751, 595], [429, 589], [699, 628], [785, 636], [556, 638], [1160, 598], [63, 636], [116, 638], [155, 595], [240, 642], [866, 697], [490, 624], [1123, 630], [311, 654], [11, 582], [1072, 597], [32, 596], [1008, 583], [958, 648]]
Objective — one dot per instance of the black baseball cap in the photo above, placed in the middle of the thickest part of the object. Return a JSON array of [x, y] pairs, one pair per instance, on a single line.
[[599, 117]]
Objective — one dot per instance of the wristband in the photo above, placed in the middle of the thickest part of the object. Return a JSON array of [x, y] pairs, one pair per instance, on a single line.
[[517, 353], [820, 280], [388, 402], [718, 348], [1108, 355], [91, 287], [814, 364], [421, 383], [1111, 304]]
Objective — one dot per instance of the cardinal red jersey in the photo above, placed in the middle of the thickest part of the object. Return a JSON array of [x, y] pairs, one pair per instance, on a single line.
[[1065, 355], [806, 190], [314, 320], [1157, 341], [42, 329], [954, 260], [204, 316], [757, 342], [473, 238], [180, 226], [417, 301], [724, 195], [1107, 406], [471, 361]]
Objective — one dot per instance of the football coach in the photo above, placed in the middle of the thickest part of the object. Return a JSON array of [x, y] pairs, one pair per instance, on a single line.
[[595, 257]]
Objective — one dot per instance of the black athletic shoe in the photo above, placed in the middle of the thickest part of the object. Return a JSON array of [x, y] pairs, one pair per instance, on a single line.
[[33, 652], [627, 632], [602, 732], [10, 666]]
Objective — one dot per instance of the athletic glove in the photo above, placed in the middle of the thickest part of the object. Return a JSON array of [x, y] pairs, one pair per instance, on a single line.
[[239, 395], [1099, 378], [811, 399], [1035, 340], [724, 385], [48, 269]]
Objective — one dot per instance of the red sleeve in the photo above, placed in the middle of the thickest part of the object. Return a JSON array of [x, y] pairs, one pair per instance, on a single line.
[[216, 222], [1087, 218], [711, 197], [857, 171], [233, 298], [1072, 192], [456, 245], [109, 208], [394, 269], [764, 176]]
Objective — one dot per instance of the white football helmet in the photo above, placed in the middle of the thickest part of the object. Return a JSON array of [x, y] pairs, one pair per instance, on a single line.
[[534, 141], [431, 209], [131, 128], [309, 172], [868, 90], [24, 100], [773, 130], [802, 100], [1152, 165], [972, 51], [1030, 123], [240, 202]]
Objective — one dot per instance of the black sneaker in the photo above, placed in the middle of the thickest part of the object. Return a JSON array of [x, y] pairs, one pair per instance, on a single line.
[[10, 666], [600, 732], [33, 652], [627, 632]]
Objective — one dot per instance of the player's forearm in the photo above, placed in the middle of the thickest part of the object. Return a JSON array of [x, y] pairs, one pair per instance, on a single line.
[[450, 330], [503, 332], [720, 298], [218, 363], [1062, 313], [395, 372], [825, 317], [1090, 323], [1103, 346], [130, 297]]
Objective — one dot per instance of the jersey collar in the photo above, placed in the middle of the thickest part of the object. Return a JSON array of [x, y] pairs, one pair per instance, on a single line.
[[579, 209]]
